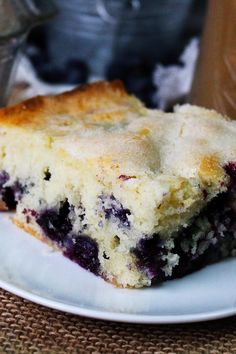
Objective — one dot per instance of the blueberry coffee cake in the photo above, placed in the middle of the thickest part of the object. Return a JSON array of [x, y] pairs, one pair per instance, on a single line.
[[134, 195]]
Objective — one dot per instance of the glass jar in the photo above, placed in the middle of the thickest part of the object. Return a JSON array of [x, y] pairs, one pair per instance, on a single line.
[[16, 19], [108, 33]]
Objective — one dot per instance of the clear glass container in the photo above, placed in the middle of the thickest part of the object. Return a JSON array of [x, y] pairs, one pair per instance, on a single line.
[[17, 17]]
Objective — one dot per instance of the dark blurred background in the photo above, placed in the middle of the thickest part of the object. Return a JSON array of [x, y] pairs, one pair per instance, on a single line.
[[114, 39]]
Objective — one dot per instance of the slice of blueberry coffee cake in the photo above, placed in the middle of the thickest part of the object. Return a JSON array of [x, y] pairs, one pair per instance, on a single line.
[[134, 195]]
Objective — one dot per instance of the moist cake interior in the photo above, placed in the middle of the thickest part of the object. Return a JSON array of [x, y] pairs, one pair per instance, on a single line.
[[209, 236]]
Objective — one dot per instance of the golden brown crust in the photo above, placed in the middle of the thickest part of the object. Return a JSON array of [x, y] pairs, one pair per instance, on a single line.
[[34, 233], [86, 99], [114, 282], [78, 123], [3, 206], [210, 170]]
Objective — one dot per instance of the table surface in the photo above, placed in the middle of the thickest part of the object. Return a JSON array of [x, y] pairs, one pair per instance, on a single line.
[[29, 328]]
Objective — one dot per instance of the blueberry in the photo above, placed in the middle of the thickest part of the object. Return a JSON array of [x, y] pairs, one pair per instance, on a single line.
[[205, 193], [8, 196], [11, 194], [149, 252], [56, 223], [230, 169], [115, 209], [4, 177], [84, 251], [57, 226]]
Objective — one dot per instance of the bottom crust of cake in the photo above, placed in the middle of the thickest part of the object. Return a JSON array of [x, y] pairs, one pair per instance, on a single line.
[[46, 240], [30, 230]]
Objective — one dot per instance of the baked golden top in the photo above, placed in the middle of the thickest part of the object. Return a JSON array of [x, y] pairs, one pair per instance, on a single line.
[[90, 104], [101, 122]]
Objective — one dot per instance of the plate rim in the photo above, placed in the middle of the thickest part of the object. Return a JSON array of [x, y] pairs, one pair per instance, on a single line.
[[116, 316]]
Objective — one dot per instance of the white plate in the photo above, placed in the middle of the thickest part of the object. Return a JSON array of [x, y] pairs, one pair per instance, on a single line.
[[31, 270]]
